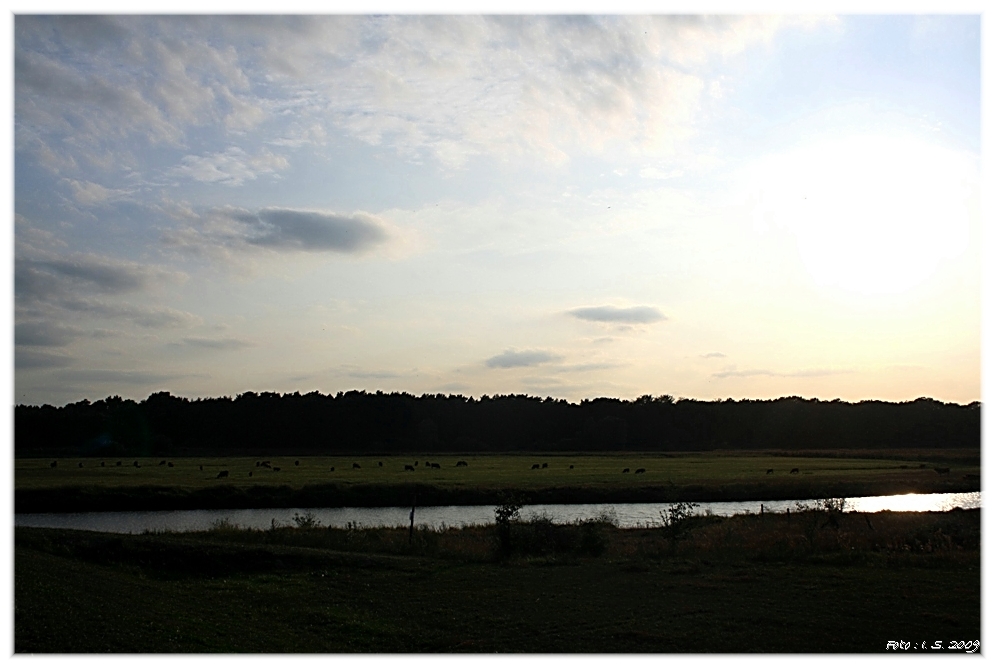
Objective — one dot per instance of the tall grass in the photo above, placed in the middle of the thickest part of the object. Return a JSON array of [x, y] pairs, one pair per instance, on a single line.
[[803, 535]]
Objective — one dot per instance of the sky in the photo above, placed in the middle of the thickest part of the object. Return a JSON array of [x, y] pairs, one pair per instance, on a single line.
[[570, 206]]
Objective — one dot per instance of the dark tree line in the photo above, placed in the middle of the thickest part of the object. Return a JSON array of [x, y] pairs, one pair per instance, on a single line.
[[359, 422]]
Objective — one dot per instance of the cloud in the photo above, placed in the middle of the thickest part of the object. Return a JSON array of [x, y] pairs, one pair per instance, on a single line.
[[230, 230], [35, 359], [151, 317], [90, 194], [43, 334], [101, 274], [518, 359], [314, 230], [232, 167], [217, 343], [450, 87], [632, 315], [713, 355]]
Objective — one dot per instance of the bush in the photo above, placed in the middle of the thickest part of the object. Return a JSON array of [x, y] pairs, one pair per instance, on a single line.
[[306, 520]]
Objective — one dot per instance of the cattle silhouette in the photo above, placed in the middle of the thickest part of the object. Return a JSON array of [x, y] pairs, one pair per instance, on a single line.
[[379, 463], [571, 467], [408, 467], [461, 464], [625, 470], [356, 466], [296, 463], [55, 464], [170, 464], [332, 469], [545, 465], [535, 467], [223, 473], [436, 466], [769, 471], [640, 471], [794, 471], [80, 464]]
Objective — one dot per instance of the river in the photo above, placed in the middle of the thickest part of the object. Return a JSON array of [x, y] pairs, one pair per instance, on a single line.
[[624, 515]]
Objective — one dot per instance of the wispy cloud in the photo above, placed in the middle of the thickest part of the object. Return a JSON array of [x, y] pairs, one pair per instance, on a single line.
[[521, 358], [231, 167], [714, 355], [217, 343], [613, 314]]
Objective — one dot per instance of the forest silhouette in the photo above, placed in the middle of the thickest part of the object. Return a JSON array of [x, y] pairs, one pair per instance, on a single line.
[[359, 422]]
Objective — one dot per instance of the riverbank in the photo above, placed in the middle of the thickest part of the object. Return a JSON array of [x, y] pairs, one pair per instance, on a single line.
[[817, 581]]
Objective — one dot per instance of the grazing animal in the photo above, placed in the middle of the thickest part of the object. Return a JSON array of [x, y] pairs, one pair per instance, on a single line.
[[640, 471], [415, 464], [545, 465], [407, 467], [571, 467], [80, 464], [535, 467], [162, 463], [379, 463], [625, 470], [55, 464], [256, 464], [201, 468], [136, 464], [461, 464], [942, 471], [296, 463], [102, 464], [356, 466], [436, 466], [223, 473], [332, 469], [266, 464], [170, 464], [427, 464], [769, 471], [794, 471], [250, 473], [118, 464], [276, 469]]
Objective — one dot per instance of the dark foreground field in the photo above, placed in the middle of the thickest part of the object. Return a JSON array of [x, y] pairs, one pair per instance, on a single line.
[[819, 581]]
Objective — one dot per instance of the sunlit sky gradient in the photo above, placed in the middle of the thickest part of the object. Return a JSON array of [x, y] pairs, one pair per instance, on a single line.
[[744, 207]]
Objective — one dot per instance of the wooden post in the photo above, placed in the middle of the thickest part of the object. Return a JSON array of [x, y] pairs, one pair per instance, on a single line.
[[414, 503]]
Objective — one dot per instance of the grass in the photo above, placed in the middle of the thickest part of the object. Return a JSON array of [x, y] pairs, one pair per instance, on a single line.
[[824, 582], [193, 482]]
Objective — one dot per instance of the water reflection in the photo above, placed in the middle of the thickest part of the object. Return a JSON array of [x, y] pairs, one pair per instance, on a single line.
[[625, 515]]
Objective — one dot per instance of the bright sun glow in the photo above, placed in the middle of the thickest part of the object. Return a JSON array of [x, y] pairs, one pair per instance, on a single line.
[[872, 215]]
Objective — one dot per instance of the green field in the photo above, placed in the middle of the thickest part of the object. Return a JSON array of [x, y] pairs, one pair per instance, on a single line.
[[592, 478], [814, 582]]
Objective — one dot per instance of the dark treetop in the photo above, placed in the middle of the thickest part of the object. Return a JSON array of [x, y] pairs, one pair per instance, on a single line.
[[360, 422]]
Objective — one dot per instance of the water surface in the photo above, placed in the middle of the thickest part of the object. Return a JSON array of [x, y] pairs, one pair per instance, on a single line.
[[624, 515]]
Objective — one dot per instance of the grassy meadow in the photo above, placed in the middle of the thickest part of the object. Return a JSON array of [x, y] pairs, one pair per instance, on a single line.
[[292, 481], [819, 581]]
